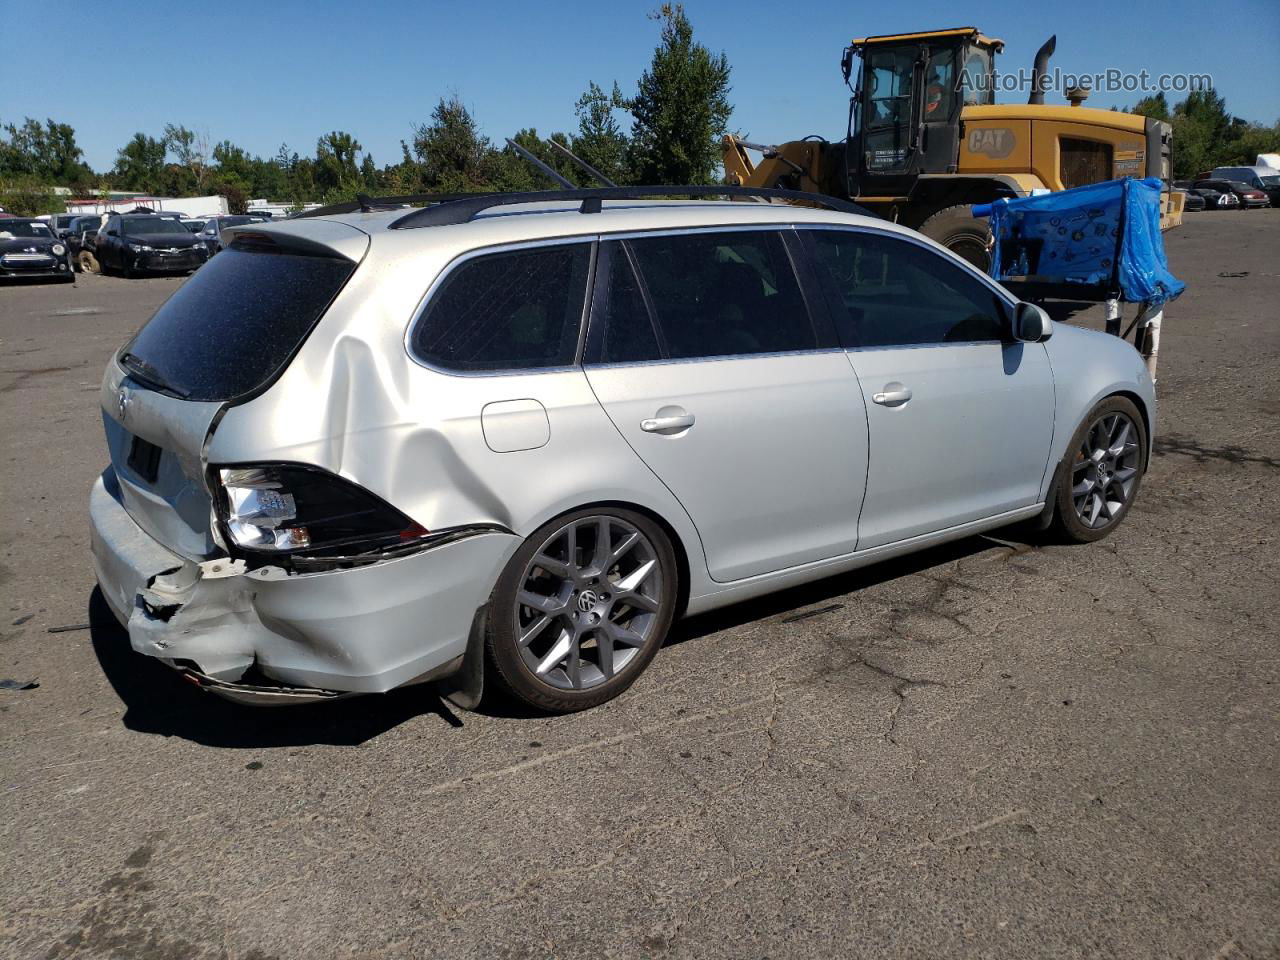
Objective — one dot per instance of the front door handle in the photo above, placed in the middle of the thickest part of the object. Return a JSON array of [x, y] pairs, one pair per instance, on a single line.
[[667, 424], [894, 395]]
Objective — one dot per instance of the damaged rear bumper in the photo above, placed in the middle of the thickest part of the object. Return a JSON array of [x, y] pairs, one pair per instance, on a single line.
[[365, 629]]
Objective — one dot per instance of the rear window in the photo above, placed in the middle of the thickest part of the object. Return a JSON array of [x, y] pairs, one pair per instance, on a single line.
[[517, 310], [232, 327]]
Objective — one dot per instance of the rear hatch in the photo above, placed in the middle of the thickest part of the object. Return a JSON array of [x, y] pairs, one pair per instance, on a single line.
[[223, 338]]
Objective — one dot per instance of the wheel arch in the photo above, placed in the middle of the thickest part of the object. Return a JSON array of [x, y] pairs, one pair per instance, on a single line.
[[1147, 423]]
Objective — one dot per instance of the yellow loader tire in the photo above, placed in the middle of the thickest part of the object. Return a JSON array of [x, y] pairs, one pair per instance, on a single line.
[[88, 262], [965, 235]]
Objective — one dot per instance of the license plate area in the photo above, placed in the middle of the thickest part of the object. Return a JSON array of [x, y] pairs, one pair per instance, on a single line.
[[144, 459]]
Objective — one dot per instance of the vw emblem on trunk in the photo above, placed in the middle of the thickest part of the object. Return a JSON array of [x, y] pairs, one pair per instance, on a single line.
[[122, 403]]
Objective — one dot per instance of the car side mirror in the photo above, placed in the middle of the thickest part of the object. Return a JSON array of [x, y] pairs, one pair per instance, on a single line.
[[1031, 324]]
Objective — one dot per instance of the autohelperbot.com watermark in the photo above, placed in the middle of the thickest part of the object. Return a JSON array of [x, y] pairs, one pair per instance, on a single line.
[[1112, 80]]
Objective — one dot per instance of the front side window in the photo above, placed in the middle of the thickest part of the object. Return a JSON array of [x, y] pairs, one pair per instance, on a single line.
[[515, 310], [884, 292], [721, 294]]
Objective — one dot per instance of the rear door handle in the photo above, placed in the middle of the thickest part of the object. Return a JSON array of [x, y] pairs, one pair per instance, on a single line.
[[672, 424], [894, 395]]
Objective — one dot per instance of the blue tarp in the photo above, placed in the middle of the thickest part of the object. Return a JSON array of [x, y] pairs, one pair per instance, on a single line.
[[1074, 236]]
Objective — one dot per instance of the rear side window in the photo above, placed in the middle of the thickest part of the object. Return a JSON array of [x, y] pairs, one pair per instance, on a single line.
[[517, 310], [626, 333], [885, 292], [231, 327], [721, 294]]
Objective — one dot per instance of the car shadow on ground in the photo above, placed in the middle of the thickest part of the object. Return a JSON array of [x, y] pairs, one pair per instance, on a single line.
[[790, 604], [158, 701]]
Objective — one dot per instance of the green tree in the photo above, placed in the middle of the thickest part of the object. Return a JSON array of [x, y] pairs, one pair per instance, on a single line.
[[600, 140], [336, 173], [519, 174], [1156, 107], [140, 164], [47, 152], [370, 178], [191, 150], [234, 165], [681, 109], [451, 153]]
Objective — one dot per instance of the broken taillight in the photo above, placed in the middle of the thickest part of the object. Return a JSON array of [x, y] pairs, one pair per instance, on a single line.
[[290, 508]]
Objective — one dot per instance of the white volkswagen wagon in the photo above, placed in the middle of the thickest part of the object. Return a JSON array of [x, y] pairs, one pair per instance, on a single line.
[[509, 442]]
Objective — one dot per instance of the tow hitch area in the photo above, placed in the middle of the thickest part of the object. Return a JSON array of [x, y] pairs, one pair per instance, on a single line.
[[259, 694]]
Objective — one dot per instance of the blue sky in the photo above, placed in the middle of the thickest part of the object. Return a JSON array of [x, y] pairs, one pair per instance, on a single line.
[[278, 71]]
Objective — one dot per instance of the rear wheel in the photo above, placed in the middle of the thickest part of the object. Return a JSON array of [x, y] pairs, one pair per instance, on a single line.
[[965, 235], [1102, 472], [582, 608]]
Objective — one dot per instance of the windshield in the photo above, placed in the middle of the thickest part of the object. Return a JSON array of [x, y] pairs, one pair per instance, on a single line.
[[137, 226], [23, 228], [193, 225], [234, 325]]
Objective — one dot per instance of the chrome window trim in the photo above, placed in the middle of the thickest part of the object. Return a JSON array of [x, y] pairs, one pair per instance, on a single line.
[[716, 359], [585, 239]]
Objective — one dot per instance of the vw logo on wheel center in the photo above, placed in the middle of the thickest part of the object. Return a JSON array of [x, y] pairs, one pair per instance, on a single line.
[[586, 600]]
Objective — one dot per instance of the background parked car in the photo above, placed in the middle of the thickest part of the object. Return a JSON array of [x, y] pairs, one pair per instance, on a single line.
[[1216, 199], [1191, 202], [133, 244], [1260, 178], [211, 233], [1247, 196], [80, 228], [28, 248], [194, 224], [60, 224]]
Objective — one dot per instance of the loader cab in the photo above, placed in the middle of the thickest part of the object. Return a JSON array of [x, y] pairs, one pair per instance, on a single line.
[[909, 90]]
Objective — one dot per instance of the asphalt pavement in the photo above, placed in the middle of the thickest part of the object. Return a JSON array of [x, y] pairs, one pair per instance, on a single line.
[[989, 749]]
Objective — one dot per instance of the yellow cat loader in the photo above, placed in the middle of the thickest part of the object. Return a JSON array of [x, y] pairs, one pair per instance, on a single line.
[[927, 140]]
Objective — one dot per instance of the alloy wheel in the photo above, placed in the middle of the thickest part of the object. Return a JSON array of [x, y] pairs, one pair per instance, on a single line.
[[588, 601], [1105, 470]]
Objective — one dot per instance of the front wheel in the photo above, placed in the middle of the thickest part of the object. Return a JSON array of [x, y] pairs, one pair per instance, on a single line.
[[1100, 476], [582, 608], [965, 235]]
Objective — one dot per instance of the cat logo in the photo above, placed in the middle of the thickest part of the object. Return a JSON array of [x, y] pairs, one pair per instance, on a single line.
[[995, 142]]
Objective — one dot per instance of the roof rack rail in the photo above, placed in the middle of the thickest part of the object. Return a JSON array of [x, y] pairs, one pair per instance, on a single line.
[[447, 211], [366, 204]]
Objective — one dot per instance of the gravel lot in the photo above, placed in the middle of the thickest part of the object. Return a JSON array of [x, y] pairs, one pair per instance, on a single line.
[[984, 750]]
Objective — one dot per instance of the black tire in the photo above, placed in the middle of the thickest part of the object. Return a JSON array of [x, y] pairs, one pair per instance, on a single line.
[[1067, 523], [957, 229], [508, 667]]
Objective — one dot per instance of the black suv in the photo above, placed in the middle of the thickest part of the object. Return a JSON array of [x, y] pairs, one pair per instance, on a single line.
[[137, 243]]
